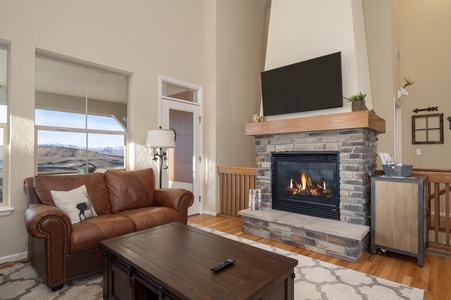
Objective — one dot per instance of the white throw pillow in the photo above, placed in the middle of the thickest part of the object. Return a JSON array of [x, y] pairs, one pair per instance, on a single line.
[[74, 203]]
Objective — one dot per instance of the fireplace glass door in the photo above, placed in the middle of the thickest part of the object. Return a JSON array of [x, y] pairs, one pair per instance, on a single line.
[[306, 183]]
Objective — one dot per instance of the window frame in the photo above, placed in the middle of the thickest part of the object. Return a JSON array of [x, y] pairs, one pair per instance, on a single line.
[[86, 114], [5, 203]]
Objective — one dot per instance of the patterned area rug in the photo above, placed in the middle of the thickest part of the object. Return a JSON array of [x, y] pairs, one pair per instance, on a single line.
[[320, 280], [314, 280], [22, 282]]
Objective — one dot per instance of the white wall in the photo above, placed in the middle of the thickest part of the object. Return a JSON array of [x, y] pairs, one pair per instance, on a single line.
[[301, 30], [425, 59], [146, 38], [238, 44], [382, 28]]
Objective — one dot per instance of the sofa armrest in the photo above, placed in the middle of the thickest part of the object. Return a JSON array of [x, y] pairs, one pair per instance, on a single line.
[[177, 198], [53, 226], [43, 220]]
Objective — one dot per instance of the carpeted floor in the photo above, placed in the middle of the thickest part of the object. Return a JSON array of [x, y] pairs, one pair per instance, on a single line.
[[314, 280]]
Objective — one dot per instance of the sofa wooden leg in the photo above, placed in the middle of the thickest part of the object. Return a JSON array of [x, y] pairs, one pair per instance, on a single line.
[[57, 288]]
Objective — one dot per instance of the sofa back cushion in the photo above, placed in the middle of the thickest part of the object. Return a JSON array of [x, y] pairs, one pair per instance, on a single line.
[[94, 182], [130, 189]]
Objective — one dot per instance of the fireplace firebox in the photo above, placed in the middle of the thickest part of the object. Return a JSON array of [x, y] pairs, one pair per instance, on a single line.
[[306, 183]]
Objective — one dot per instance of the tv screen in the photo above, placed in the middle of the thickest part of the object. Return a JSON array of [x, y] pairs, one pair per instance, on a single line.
[[304, 86]]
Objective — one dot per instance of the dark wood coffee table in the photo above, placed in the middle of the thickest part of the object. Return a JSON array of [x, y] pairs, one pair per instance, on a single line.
[[173, 261]]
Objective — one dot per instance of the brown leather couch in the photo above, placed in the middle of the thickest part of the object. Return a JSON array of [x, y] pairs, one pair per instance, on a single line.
[[125, 202]]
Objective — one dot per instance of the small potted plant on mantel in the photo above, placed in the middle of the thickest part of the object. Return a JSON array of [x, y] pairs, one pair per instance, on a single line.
[[358, 102]]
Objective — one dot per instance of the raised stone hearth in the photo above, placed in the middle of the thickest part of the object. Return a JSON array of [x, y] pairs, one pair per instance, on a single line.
[[334, 238], [354, 136]]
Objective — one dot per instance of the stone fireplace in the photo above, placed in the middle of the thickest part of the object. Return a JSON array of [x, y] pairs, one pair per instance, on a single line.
[[353, 136]]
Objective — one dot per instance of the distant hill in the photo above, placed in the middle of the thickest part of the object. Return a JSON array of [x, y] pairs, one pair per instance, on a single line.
[[114, 150], [58, 158]]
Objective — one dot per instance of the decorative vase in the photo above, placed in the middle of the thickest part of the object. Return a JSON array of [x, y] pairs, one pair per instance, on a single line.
[[359, 105]]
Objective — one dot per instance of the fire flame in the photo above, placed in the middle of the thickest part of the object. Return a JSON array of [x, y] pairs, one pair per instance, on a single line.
[[303, 181], [305, 186]]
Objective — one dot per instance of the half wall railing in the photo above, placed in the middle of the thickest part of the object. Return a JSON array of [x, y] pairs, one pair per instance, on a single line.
[[439, 216], [234, 185]]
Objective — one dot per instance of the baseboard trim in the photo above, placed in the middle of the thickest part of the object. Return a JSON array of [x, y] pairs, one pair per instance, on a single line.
[[211, 213], [14, 257]]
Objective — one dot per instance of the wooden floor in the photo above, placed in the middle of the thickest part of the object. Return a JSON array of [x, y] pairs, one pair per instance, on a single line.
[[434, 277]]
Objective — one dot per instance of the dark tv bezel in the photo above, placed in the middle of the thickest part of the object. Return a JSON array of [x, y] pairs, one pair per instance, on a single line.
[[277, 96]]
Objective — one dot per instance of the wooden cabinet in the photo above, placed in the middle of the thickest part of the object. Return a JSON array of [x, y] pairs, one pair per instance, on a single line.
[[123, 282], [398, 215]]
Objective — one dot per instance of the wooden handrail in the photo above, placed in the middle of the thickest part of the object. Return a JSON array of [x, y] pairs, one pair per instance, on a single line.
[[237, 170], [434, 175]]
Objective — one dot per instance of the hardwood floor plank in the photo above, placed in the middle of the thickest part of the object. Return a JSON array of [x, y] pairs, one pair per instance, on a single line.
[[434, 277]]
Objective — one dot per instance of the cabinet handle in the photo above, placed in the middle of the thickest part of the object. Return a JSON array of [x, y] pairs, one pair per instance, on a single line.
[[162, 292], [129, 275]]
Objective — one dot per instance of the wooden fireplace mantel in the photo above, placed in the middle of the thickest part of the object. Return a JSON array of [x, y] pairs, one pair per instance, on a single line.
[[349, 120]]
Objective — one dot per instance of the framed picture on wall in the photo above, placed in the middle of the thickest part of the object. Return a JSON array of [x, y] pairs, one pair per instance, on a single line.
[[427, 129]]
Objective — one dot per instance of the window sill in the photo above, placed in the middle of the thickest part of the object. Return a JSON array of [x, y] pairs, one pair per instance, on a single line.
[[5, 211]]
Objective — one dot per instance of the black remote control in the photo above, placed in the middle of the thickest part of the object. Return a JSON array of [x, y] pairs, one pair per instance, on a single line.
[[222, 265]]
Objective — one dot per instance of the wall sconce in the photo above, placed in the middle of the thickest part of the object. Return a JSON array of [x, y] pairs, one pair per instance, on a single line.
[[449, 120], [160, 139]]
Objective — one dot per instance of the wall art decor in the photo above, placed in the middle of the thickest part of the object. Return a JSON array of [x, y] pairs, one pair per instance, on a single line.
[[427, 129]]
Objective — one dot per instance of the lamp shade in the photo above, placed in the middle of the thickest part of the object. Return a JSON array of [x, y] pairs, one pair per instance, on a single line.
[[160, 138]]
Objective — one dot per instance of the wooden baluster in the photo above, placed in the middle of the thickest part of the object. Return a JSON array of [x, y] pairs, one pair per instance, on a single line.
[[447, 215], [437, 210]]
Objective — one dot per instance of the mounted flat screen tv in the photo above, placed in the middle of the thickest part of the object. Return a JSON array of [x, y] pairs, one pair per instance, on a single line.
[[304, 86]]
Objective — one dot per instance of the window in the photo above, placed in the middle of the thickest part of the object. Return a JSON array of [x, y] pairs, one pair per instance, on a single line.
[[3, 113], [80, 116], [176, 91]]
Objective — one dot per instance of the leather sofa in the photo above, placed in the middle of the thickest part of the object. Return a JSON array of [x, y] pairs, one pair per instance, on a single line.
[[123, 201]]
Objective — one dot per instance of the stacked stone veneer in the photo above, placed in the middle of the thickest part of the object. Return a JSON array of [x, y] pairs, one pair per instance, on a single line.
[[357, 152]]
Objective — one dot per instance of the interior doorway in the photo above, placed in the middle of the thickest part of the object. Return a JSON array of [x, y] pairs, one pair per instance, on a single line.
[[181, 111]]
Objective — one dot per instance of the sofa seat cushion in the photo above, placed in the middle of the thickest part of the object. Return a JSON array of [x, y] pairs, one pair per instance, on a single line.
[[89, 233], [130, 189], [149, 217]]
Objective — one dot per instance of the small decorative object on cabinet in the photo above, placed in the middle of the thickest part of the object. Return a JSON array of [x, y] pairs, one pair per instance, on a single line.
[[399, 215]]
